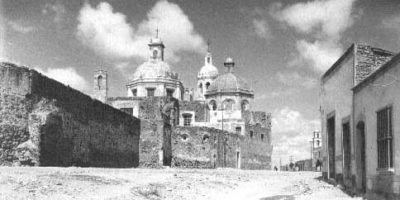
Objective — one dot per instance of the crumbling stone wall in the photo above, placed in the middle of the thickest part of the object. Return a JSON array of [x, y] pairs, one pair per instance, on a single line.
[[155, 144], [194, 147], [158, 115], [256, 147], [204, 147], [14, 108], [46, 123]]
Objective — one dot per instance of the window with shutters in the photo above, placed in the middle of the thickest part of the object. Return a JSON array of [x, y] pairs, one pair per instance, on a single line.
[[384, 138], [187, 119]]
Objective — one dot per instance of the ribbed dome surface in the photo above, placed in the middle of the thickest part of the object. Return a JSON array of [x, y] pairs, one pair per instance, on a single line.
[[208, 71], [229, 82], [153, 69]]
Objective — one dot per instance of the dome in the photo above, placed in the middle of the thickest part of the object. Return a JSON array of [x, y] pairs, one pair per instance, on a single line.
[[153, 69], [229, 60], [208, 71], [229, 82]]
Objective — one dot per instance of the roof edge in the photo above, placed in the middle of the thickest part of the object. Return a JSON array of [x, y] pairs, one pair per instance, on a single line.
[[388, 65], [338, 62]]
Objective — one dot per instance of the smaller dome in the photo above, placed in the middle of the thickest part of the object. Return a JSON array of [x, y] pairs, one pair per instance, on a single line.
[[229, 83], [208, 71], [229, 60]]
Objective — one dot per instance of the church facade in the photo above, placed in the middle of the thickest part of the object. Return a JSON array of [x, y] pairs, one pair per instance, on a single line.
[[202, 119]]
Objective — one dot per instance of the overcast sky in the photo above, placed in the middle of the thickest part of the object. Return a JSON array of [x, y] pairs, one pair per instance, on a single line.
[[280, 47]]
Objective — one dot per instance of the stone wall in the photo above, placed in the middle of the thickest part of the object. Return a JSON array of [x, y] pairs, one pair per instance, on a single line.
[[200, 109], [158, 115], [256, 147], [151, 141], [44, 122], [14, 109], [204, 147], [368, 59]]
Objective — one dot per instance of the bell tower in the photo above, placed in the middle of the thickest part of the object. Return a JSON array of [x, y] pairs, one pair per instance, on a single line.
[[100, 86], [206, 76]]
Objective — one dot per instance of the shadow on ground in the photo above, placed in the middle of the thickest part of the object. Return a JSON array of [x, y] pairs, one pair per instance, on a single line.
[[279, 197]]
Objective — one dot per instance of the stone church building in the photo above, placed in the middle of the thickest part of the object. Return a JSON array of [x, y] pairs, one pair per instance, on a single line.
[[220, 102], [158, 123]]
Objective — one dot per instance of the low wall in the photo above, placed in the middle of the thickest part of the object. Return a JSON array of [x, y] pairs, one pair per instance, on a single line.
[[44, 122], [203, 147]]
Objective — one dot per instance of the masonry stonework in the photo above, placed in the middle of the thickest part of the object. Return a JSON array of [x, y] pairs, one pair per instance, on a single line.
[[204, 147], [47, 123]]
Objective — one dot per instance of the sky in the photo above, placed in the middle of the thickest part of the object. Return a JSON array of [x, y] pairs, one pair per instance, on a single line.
[[280, 47]]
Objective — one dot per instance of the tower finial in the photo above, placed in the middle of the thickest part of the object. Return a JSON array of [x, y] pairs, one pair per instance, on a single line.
[[208, 45], [157, 30]]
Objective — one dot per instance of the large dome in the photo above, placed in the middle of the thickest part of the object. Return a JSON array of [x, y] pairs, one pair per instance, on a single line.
[[229, 83], [153, 69]]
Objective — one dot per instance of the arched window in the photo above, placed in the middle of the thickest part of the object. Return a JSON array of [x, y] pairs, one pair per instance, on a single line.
[[201, 88], [155, 54], [99, 81], [206, 137], [245, 105], [251, 134], [213, 105], [208, 60], [228, 104], [134, 92], [207, 85]]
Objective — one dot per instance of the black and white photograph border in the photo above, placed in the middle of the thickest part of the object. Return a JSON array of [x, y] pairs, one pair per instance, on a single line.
[[173, 99]]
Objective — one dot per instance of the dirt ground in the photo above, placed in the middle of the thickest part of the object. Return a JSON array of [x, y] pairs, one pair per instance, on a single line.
[[153, 184]]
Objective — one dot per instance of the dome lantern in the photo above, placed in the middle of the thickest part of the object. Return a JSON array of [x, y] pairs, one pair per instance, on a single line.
[[229, 64]]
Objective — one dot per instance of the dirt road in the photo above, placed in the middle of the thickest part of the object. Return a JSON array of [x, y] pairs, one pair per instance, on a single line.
[[154, 184]]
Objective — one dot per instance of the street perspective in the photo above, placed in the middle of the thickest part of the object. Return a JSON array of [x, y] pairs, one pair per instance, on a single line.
[[208, 100]]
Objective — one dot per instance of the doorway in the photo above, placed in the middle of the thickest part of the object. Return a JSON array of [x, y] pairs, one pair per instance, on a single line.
[[238, 159], [331, 146], [346, 151], [361, 153], [166, 147]]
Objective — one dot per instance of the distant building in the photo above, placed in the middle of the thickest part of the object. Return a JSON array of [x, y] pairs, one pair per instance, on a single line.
[[316, 151], [359, 112]]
